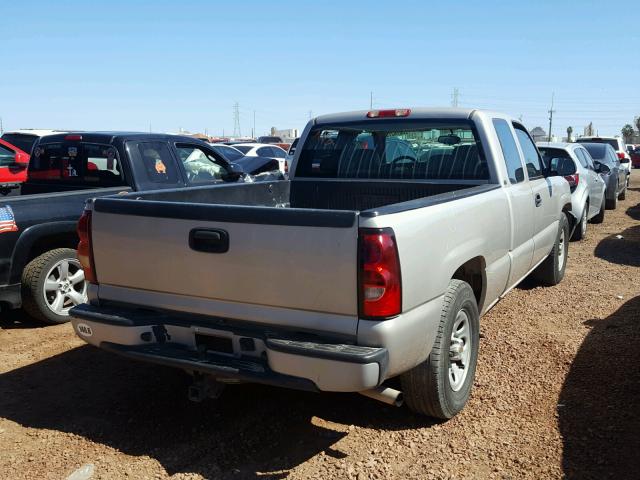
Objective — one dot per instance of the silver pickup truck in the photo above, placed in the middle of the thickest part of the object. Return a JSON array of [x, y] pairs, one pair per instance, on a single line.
[[397, 230]]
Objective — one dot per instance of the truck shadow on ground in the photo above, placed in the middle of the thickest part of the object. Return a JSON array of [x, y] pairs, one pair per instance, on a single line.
[[10, 319], [599, 406], [622, 251], [251, 431]]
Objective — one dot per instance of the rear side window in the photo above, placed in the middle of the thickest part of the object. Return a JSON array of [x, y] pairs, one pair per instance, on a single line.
[[585, 158], [77, 163], [558, 160], [278, 152], [265, 152], [7, 157], [509, 151], [394, 150], [530, 152], [155, 163], [243, 148]]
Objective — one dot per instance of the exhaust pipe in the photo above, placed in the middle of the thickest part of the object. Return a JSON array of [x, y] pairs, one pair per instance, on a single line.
[[387, 395]]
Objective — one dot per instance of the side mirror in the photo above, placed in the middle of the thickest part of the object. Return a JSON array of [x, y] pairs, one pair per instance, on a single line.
[[235, 174], [602, 168]]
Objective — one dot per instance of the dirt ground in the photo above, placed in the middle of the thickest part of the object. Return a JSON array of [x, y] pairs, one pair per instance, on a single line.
[[557, 395]]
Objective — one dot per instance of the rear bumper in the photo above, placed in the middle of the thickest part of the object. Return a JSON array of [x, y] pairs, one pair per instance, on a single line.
[[10, 295], [251, 354]]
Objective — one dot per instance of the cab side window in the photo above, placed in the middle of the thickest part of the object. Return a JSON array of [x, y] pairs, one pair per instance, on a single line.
[[7, 157], [509, 151], [157, 163], [200, 166], [530, 152], [581, 156]]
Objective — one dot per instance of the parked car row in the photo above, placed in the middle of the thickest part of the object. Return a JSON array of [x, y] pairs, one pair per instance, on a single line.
[[596, 176]]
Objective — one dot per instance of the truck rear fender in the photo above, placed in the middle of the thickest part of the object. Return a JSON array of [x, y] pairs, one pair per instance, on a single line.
[[38, 239], [473, 271]]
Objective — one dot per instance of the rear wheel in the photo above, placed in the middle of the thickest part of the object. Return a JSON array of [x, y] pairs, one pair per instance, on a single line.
[[599, 218], [623, 193], [551, 271], [440, 386], [52, 284], [581, 228]]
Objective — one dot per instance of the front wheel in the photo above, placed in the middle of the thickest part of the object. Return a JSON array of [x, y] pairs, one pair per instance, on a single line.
[[551, 271], [440, 386], [52, 284], [612, 203], [623, 193]]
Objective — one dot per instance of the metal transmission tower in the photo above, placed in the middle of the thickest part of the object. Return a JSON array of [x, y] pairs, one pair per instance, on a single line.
[[551, 112], [455, 96], [236, 120]]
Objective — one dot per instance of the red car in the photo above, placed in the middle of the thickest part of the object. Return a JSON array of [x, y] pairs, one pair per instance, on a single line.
[[13, 165], [635, 157]]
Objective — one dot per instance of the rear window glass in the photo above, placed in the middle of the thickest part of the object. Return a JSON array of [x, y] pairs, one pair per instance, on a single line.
[[229, 153], [551, 157], [389, 150], [597, 152], [609, 141], [7, 157], [77, 163], [243, 148], [23, 142]]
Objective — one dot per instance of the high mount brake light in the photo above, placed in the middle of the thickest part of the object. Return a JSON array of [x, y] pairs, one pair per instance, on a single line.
[[398, 112], [380, 279], [85, 249], [73, 138]]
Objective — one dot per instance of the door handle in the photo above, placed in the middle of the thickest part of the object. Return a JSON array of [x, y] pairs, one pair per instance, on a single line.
[[209, 240], [538, 200]]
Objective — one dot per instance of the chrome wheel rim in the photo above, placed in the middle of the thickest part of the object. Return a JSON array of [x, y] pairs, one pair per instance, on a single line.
[[459, 351], [561, 250], [64, 286]]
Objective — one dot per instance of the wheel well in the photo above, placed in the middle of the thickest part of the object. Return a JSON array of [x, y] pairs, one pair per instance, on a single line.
[[473, 272], [44, 244], [567, 211]]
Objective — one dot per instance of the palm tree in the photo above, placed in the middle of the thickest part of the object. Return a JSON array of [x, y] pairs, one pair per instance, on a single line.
[[638, 124], [627, 133], [569, 132]]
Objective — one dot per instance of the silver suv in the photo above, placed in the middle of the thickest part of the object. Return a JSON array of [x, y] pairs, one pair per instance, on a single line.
[[575, 164]]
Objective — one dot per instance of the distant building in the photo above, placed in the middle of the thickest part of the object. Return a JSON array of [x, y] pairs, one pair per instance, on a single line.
[[287, 135], [539, 135]]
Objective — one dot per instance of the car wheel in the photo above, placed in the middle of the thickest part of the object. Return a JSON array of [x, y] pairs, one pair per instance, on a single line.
[[551, 271], [581, 229], [599, 218], [440, 386], [623, 193], [52, 284]]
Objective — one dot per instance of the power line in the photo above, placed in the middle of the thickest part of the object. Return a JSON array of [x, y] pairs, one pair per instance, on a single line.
[[370, 100], [236, 120]]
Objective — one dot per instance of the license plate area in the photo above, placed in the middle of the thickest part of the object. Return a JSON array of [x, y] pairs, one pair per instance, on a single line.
[[214, 344]]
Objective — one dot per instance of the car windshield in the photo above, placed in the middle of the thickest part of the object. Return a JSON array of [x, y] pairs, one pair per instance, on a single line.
[[230, 154], [243, 148], [23, 142], [392, 149]]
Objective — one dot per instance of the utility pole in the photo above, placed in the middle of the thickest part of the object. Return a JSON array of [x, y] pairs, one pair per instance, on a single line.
[[310, 114], [370, 100], [253, 130], [551, 111], [1, 129], [455, 96], [236, 120]]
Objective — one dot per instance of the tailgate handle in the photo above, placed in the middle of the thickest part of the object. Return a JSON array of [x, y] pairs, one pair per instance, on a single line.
[[210, 240]]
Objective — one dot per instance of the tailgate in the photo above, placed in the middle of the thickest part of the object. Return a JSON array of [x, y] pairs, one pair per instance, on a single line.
[[277, 257]]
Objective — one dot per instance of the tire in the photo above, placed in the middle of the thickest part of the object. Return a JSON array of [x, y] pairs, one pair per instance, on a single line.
[[429, 388], [599, 218], [612, 203], [551, 271], [42, 304], [581, 228], [623, 193]]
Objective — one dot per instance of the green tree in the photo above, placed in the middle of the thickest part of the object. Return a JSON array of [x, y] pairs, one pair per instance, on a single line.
[[638, 124], [627, 133], [569, 132]]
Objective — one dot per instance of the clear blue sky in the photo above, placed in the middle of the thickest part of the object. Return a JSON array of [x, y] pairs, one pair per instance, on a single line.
[[125, 65]]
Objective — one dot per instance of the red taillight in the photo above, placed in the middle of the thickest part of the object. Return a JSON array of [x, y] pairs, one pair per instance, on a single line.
[[573, 179], [397, 112], [621, 155], [380, 281], [85, 249], [73, 138]]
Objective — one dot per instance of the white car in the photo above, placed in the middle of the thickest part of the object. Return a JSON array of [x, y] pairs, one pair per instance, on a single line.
[[618, 145], [264, 150]]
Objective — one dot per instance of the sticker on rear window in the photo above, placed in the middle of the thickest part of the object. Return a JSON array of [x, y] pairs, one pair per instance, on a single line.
[[73, 151]]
